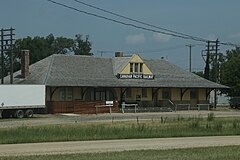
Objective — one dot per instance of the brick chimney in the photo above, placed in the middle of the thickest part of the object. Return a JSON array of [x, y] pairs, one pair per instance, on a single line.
[[25, 63], [118, 54]]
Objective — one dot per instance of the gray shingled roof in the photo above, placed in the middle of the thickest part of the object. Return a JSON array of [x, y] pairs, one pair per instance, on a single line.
[[68, 70], [119, 63]]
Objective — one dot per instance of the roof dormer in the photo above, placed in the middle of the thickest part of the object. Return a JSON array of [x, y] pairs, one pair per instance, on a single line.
[[135, 68]]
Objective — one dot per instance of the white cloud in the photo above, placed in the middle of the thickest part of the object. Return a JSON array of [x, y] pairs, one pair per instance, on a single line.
[[135, 39], [158, 37], [235, 35]]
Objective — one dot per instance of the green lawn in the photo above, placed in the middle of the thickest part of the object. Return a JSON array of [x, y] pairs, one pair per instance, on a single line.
[[211, 153], [180, 127]]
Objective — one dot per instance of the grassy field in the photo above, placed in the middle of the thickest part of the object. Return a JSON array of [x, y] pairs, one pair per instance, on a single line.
[[210, 153], [180, 127]]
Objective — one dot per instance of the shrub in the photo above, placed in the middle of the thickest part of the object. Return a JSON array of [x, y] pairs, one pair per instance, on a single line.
[[195, 124], [218, 126], [210, 116], [236, 124], [208, 126]]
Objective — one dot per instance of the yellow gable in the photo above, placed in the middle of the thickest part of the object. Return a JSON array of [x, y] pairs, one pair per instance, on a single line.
[[137, 63]]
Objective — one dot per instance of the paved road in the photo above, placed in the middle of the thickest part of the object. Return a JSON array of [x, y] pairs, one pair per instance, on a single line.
[[115, 145]]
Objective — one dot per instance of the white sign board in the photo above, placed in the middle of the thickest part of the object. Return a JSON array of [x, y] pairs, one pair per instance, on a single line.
[[109, 103]]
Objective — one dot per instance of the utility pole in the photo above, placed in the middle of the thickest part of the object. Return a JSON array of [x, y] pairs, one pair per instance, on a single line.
[[212, 51], [2, 58], [216, 61], [206, 71], [11, 55], [216, 72], [7, 48], [190, 56]]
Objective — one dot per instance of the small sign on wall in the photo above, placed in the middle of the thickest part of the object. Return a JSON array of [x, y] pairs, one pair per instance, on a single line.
[[135, 76], [109, 103]]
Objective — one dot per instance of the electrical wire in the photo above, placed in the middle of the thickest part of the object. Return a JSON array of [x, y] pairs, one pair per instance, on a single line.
[[123, 23], [138, 21], [157, 50], [169, 32]]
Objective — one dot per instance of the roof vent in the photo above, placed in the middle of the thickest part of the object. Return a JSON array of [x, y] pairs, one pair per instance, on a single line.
[[118, 54]]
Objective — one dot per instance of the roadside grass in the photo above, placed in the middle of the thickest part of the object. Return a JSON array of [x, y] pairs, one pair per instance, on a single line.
[[208, 153], [161, 128]]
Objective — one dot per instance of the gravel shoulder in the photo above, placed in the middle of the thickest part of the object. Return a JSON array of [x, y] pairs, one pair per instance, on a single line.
[[46, 119], [115, 145]]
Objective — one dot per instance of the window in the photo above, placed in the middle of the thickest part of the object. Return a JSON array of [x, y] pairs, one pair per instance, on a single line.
[[136, 67], [144, 92], [99, 94], [69, 93], [129, 93], [193, 94], [141, 67], [62, 94], [131, 67], [166, 94]]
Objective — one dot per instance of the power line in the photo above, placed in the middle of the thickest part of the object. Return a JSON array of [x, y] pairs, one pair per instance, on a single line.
[[151, 25], [140, 22], [157, 50], [123, 23], [172, 33]]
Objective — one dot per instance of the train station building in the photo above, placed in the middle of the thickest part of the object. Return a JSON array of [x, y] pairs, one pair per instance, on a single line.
[[77, 84]]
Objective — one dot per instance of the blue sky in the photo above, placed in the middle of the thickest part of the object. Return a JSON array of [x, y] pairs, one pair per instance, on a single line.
[[202, 18]]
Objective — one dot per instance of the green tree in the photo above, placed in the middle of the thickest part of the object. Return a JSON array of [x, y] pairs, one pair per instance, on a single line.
[[62, 45], [81, 46], [39, 47], [231, 72], [42, 47]]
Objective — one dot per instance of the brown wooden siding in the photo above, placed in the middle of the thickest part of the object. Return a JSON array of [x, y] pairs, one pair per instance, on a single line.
[[80, 107]]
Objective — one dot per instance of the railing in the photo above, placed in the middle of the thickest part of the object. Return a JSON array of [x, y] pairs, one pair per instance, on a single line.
[[188, 106], [199, 106], [124, 105], [170, 104]]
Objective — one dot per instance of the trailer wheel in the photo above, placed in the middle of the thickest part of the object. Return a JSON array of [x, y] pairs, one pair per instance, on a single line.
[[29, 113], [19, 114]]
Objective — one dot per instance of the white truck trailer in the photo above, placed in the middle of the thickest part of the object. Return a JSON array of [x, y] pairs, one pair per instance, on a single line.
[[21, 100]]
